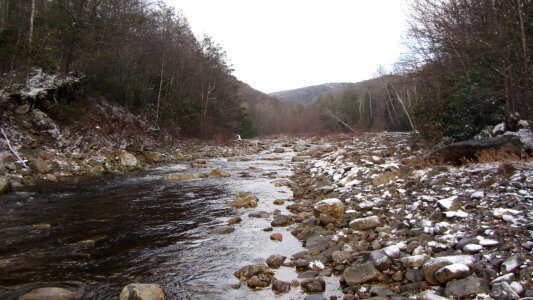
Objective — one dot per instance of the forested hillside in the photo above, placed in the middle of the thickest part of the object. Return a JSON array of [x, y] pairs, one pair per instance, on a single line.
[[468, 69], [269, 115], [308, 94], [139, 53]]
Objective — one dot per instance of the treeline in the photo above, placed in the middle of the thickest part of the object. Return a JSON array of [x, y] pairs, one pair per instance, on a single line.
[[469, 67], [137, 52], [271, 115], [373, 105]]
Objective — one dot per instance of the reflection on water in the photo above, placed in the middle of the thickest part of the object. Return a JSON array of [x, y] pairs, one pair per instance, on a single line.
[[109, 232]]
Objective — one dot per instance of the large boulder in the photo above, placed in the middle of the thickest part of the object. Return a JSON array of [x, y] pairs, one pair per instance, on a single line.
[[460, 152], [142, 291], [333, 207], [244, 199], [50, 293]]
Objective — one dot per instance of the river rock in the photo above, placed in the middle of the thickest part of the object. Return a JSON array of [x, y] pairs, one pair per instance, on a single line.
[[279, 202], [433, 265], [318, 243], [127, 159], [313, 285], [414, 261], [259, 281], [248, 271], [50, 293], [453, 271], [511, 263], [181, 176], [452, 203], [379, 259], [259, 214], [5, 185], [466, 287], [279, 150], [429, 295], [234, 220], [244, 199], [142, 291], [503, 291], [333, 207], [281, 220], [340, 256], [40, 166], [22, 109], [365, 223], [223, 230], [385, 178], [414, 275], [276, 237], [275, 261], [280, 286], [217, 174], [360, 273], [153, 156]]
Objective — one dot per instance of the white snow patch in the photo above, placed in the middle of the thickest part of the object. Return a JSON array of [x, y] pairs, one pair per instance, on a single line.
[[498, 212], [525, 135], [477, 195], [457, 214]]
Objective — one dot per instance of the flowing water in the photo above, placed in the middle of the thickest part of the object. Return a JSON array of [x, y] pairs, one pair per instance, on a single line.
[[112, 231]]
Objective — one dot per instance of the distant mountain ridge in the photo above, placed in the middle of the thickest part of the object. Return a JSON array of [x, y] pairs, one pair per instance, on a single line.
[[308, 94]]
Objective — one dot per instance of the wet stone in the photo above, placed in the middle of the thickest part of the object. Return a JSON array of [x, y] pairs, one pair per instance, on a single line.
[[280, 286], [308, 274], [142, 291], [276, 237], [275, 261], [361, 273], [46, 293], [280, 221], [234, 220], [248, 271], [222, 230], [314, 285]]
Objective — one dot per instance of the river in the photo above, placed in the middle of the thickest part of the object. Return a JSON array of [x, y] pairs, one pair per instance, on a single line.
[[111, 231]]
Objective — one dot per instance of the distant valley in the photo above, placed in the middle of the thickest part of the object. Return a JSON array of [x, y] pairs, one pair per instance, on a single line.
[[308, 94]]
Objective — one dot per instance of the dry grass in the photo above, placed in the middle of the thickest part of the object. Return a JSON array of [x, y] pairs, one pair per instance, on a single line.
[[487, 156]]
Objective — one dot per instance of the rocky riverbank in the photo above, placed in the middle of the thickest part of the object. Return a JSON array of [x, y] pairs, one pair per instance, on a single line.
[[105, 139], [390, 226]]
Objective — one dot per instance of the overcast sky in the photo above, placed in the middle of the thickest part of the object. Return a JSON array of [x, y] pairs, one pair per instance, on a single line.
[[277, 45]]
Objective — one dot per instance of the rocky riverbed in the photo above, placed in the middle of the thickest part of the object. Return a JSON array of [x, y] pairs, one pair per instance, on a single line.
[[387, 225], [375, 221]]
